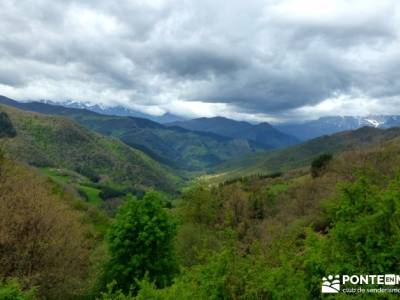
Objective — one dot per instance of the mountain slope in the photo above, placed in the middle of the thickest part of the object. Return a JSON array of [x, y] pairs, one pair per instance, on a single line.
[[329, 125], [301, 155], [262, 133], [48, 141], [175, 146]]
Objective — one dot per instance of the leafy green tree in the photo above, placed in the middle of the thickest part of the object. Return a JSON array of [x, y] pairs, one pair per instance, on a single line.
[[141, 244]]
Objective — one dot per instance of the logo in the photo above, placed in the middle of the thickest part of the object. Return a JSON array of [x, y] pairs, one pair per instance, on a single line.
[[351, 284], [331, 285]]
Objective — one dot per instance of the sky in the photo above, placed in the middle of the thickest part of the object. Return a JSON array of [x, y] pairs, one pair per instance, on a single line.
[[254, 60]]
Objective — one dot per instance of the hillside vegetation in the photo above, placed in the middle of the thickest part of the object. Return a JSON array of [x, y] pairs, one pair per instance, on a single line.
[[290, 217], [276, 238], [302, 155], [177, 147], [253, 238], [47, 240], [48, 141]]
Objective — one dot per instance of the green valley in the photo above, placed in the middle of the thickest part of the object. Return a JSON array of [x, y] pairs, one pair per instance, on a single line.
[[174, 146]]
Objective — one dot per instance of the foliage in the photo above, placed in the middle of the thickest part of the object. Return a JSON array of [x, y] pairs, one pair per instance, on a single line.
[[319, 163], [302, 155], [303, 230], [140, 243], [6, 127], [43, 242], [365, 231], [12, 290], [251, 238], [48, 141]]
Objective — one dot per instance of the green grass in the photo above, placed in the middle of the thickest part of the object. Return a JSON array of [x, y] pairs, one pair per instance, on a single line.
[[56, 175], [91, 194], [78, 182]]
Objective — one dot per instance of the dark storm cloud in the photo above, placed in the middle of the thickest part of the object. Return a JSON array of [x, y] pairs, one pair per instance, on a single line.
[[259, 57], [197, 62]]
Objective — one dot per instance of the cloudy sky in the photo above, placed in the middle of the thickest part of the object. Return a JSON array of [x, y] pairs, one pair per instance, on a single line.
[[251, 59]]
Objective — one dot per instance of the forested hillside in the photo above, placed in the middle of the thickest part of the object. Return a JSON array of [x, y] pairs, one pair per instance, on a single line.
[[49, 239], [302, 155], [54, 142], [277, 237]]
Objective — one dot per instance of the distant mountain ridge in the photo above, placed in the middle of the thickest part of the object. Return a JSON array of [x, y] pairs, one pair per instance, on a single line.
[[117, 111], [174, 146], [262, 133], [329, 125]]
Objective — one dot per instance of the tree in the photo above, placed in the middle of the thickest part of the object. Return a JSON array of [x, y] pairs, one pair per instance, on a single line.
[[318, 164], [141, 244], [6, 127]]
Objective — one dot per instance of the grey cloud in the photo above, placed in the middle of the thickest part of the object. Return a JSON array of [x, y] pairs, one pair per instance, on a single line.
[[255, 56], [197, 62]]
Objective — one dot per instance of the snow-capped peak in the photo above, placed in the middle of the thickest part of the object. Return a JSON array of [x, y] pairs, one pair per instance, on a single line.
[[373, 122]]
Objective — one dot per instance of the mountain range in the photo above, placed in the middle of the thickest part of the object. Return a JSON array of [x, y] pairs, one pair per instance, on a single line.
[[262, 133], [276, 135], [329, 125], [116, 111], [222, 145], [171, 145]]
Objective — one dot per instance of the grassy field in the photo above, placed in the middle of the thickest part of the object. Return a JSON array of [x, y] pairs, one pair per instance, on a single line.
[[80, 183], [91, 194]]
